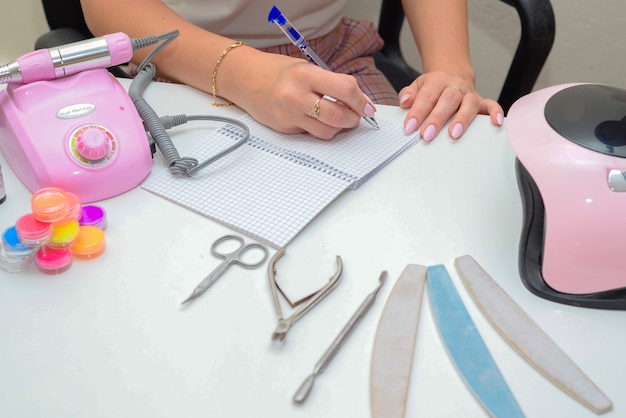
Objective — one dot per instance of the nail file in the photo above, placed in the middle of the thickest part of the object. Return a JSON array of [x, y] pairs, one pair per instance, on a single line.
[[467, 348], [394, 344], [527, 338]]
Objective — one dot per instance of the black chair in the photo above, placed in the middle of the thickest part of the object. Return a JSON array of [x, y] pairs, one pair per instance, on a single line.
[[537, 36], [67, 24]]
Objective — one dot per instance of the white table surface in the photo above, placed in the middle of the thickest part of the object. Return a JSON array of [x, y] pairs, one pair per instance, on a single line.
[[108, 338]]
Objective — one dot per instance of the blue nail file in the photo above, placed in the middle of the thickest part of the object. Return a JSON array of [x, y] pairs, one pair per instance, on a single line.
[[467, 348]]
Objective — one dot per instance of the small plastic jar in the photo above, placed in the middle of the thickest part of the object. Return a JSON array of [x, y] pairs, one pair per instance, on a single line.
[[64, 234], [14, 263], [74, 208], [49, 204], [94, 215], [89, 244], [50, 260], [32, 232], [12, 242], [15, 256]]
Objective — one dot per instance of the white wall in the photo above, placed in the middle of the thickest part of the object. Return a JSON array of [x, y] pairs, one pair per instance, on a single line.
[[589, 43], [21, 22]]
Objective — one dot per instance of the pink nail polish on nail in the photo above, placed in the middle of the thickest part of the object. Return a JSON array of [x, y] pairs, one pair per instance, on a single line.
[[369, 110], [369, 100], [457, 130], [429, 133], [410, 126], [404, 98], [500, 118]]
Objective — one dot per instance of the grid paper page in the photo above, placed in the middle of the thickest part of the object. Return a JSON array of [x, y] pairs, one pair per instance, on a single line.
[[275, 184]]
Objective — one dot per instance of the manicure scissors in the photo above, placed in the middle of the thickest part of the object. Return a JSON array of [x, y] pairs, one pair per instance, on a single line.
[[236, 256]]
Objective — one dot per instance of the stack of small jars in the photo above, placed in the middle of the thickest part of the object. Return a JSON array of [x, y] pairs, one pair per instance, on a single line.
[[57, 230]]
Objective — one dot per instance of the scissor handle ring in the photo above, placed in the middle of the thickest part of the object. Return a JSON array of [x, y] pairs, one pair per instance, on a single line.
[[235, 256], [247, 248], [223, 239]]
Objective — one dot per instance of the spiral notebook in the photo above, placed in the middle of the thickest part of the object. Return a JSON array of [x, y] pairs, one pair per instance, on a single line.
[[274, 185]]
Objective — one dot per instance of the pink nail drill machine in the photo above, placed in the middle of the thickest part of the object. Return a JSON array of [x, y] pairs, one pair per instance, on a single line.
[[570, 142], [65, 121]]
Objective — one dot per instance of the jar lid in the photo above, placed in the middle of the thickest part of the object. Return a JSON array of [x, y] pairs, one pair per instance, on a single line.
[[53, 260], [12, 242], [73, 208], [64, 234], [31, 231], [94, 215], [49, 204], [89, 243]]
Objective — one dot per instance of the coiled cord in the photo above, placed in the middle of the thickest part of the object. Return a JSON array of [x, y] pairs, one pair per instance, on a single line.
[[178, 165], [152, 123]]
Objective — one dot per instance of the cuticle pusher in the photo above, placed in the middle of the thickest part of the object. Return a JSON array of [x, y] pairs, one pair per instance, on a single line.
[[337, 343]]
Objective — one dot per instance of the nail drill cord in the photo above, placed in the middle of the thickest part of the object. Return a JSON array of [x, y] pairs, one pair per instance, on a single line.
[[178, 165]]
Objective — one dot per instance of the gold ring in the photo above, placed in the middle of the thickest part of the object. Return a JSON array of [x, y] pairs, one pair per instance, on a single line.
[[315, 110], [459, 89]]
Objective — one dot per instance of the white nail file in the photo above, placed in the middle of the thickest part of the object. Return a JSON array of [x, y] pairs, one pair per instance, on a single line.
[[392, 356], [467, 348], [527, 338]]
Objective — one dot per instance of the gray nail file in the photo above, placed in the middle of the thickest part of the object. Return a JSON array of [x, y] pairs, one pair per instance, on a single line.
[[467, 348], [527, 338], [392, 355]]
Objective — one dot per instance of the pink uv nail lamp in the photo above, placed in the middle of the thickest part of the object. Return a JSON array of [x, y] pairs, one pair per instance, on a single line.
[[81, 133], [570, 143]]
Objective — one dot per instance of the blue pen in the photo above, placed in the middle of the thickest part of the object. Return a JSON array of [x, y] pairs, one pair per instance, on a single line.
[[276, 16]]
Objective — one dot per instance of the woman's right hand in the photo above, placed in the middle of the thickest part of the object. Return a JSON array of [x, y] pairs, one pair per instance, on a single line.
[[281, 92], [276, 90]]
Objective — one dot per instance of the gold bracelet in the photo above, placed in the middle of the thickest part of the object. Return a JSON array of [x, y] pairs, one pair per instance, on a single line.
[[226, 50]]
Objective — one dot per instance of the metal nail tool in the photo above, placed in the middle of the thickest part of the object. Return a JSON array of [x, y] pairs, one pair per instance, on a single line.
[[284, 324], [331, 351], [236, 256]]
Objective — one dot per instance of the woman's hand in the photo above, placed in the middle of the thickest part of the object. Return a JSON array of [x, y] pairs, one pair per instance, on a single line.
[[436, 97], [292, 95], [278, 91]]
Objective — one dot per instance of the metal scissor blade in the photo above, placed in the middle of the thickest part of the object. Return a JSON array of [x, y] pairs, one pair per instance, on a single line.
[[191, 297], [467, 348], [208, 281]]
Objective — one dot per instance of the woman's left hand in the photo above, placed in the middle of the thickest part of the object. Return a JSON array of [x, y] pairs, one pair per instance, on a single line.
[[436, 97]]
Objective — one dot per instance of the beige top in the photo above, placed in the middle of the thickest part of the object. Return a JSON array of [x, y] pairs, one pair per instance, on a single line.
[[246, 20]]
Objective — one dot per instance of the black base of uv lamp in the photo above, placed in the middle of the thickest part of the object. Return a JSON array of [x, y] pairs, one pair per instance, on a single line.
[[531, 253]]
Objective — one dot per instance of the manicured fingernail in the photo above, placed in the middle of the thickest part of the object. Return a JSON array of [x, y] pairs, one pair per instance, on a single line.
[[369, 110], [410, 126], [457, 130], [500, 118], [404, 98], [369, 100], [429, 133]]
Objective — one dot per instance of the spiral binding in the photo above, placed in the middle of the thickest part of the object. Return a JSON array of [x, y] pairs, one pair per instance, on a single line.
[[295, 157]]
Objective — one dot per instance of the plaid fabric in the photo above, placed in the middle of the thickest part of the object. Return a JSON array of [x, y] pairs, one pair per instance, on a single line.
[[350, 49]]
